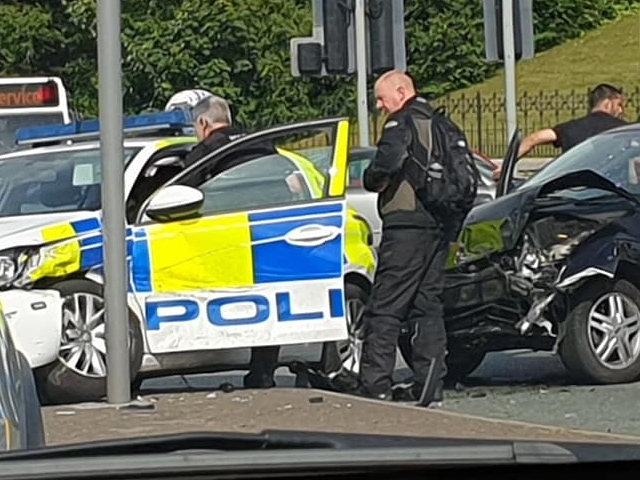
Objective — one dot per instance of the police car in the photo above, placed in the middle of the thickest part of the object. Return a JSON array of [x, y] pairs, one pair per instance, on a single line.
[[223, 255]]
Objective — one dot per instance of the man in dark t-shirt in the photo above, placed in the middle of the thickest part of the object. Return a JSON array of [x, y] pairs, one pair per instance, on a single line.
[[606, 107], [573, 132]]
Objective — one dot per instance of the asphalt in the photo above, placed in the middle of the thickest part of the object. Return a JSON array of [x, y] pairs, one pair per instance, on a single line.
[[518, 394], [290, 409], [535, 387]]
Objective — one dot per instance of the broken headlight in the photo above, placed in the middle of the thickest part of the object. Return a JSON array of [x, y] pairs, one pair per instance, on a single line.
[[14, 264]]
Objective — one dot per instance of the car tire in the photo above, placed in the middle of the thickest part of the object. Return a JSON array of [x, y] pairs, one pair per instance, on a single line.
[[461, 362], [597, 309], [64, 381], [340, 363]]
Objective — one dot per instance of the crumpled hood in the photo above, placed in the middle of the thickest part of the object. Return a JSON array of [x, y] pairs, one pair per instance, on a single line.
[[26, 230], [496, 226]]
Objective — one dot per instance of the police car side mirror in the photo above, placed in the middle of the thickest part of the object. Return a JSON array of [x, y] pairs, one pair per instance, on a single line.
[[175, 202]]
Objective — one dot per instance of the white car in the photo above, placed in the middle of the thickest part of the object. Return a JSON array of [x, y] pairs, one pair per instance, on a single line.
[[366, 203], [224, 257]]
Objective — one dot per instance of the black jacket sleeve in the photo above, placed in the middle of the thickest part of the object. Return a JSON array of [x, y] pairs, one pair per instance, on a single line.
[[392, 150]]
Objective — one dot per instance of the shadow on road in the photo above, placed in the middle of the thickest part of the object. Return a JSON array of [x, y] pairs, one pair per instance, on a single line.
[[500, 373]]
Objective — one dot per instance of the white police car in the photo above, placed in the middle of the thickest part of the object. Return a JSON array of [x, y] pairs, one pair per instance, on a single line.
[[229, 254]]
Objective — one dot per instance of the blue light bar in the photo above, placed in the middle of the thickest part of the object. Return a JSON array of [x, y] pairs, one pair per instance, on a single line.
[[177, 120]]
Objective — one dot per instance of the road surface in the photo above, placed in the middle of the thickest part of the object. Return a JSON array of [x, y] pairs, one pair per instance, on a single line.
[[519, 385], [544, 410]]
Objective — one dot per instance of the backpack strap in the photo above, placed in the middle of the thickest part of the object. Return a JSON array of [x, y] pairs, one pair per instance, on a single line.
[[423, 109]]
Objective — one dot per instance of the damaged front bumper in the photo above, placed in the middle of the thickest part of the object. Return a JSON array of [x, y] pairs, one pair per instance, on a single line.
[[500, 301], [34, 318]]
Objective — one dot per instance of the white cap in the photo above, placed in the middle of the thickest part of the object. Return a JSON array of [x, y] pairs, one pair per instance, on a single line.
[[186, 98]]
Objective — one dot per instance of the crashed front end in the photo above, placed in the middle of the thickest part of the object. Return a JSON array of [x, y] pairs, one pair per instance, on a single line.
[[518, 259]]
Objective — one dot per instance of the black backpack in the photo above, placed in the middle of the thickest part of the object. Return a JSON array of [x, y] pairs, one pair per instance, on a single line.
[[445, 177]]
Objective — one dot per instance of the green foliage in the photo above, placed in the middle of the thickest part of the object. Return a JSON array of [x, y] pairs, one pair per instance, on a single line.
[[240, 49], [446, 37], [30, 38], [445, 44], [558, 21]]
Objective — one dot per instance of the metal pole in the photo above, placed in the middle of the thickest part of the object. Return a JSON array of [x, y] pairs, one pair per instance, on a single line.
[[361, 66], [509, 66], [113, 211]]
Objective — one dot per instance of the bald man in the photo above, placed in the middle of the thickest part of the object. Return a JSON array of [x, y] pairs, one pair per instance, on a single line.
[[409, 278]]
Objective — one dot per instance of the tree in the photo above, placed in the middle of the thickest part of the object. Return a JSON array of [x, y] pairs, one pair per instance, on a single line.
[[239, 53], [240, 49]]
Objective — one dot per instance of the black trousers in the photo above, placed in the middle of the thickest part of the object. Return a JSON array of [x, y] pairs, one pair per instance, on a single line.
[[408, 286], [264, 360]]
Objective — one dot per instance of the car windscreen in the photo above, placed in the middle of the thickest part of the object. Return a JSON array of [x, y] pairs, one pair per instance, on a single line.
[[10, 123], [613, 155], [52, 182]]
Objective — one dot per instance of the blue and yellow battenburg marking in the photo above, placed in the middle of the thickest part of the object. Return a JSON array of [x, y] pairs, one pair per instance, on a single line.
[[276, 260], [75, 246], [239, 250], [222, 251]]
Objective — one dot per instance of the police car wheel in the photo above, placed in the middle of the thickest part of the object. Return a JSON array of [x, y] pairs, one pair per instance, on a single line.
[[79, 374], [340, 363]]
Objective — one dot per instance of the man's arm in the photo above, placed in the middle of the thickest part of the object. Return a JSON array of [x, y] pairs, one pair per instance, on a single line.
[[541, 137], [392, 148]]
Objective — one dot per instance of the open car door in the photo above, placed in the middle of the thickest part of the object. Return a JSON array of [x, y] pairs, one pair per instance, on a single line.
[[509, 164], [246, 248]]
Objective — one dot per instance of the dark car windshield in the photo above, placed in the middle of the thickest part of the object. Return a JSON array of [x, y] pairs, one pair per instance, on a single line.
[[613, 155], [52, 182]]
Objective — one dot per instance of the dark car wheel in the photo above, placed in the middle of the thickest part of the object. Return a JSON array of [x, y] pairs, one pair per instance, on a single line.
[[460, 361], [79, 374], [602, 340], [340, 363]]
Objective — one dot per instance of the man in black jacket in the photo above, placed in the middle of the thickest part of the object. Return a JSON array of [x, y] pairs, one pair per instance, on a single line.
[[213, 125], [409, 279]]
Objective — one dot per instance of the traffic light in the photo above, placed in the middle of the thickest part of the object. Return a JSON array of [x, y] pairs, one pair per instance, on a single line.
[[381, 33], [306, 56], [517, 30], [523, 36], [336, 15], [334, 45], [310, 58]]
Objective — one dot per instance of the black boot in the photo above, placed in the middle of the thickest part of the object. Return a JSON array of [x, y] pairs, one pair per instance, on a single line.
[[427, 394], [432, 391], [259, 380]]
